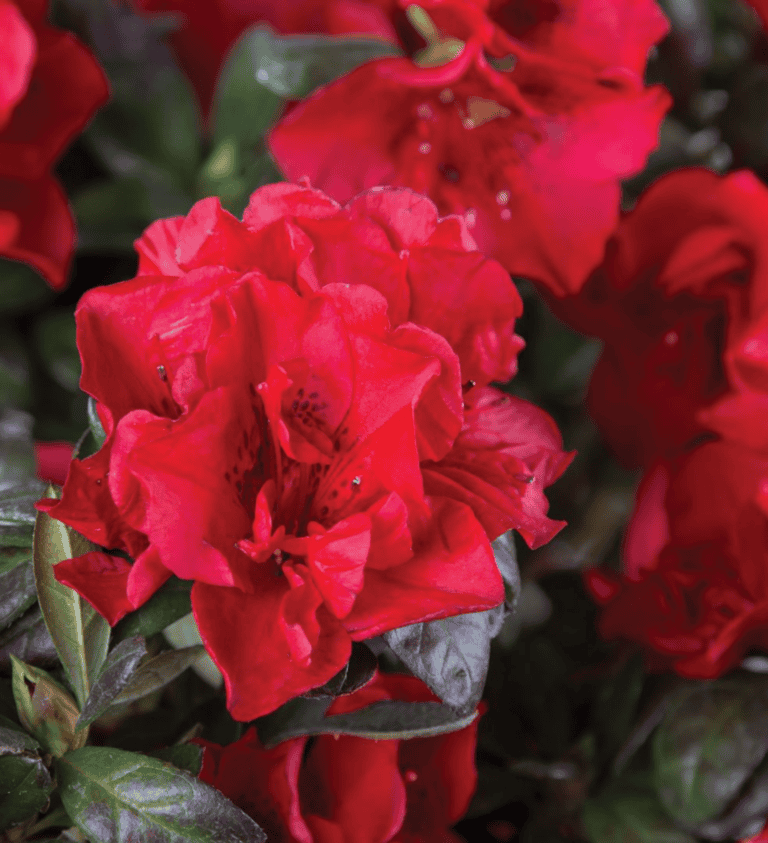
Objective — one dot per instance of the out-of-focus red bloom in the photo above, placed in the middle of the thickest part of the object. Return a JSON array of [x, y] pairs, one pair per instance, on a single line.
[[274, 435], [53, 460], [762, 837], [524, 116], [209, 29], [694, 592], [50, 86], [681, 301], [338, 788]]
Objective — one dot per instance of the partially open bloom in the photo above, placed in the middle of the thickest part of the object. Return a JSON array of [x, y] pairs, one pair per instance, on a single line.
[[333, 788], [681, 301], [523, 115], [50, 86], [276, 436], [694, 593]]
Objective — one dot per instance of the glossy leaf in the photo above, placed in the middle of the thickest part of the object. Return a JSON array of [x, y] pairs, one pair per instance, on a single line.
[[29, 640], [15, 368], [167, 605], [293, 66], [158, 672], [80, 633], [356, 673], [19, 488], [115, 797], [243, 107], [115, 674], [450, 655], [95, 425], [185, 756], [505, 553], [46, 709], [25, 782], [711, 740], [384, 720], [17, 591]]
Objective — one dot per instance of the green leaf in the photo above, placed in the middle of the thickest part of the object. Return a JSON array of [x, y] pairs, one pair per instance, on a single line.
[[711, 740], [615, 707], [21, 288], [12, 557], [95, 425], [450, 655], [25, 783], [356, 673], [185, 756], [14, 368], [111, 214], [27, 639], [384, 720], [243, 108], [629, 812], [54, 337], [158, 672], [115, 796], [80, 633], [17, 591], [115, 674], [505, 553], [167, 605], [293, 66], [19, 488], [46, 709]]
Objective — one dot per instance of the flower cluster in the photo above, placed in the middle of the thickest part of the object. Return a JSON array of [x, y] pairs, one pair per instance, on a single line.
[[681, 301], [297, 429], [50, 86]]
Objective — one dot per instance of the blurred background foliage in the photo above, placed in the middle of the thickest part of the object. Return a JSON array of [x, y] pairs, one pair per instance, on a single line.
[[578, 742]]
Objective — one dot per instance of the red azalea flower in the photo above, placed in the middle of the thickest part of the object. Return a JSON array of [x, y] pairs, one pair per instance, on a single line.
[[681, 301], [278, 442], [524, 116], [50, 86], [209, 29], [333, 788], [53, 460], [694, 592]]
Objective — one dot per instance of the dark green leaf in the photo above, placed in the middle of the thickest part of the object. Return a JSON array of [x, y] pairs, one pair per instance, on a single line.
[[711, 740], [450, 655], [115, 674], [23, 289], [80, 633], [158, 672], [115, 796], [46, 709], [25, 783], [745, 817], [357, 672], [167, 605], [95, 425], [17, 592], [185, 756], [243, 108], [629, 812], [388, 719], [615, 707], [111, 214], [293, 66], [29, 640], [11, 557], [14, 368], [54, 336], [506, 559], [19, 488]]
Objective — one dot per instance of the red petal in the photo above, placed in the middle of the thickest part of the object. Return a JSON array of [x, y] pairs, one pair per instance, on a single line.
[[101, 579]]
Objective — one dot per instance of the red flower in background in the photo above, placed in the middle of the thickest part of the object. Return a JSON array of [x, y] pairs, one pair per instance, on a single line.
[[681, 301], [273, 435], [525, 116], [336, 788], [694, 593], [50, 86]]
